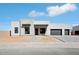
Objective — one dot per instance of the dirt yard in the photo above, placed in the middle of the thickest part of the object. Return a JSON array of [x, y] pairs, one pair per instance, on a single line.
[[6, 38]]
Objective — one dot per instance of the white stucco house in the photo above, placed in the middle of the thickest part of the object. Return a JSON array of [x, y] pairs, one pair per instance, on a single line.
[[31, 27]]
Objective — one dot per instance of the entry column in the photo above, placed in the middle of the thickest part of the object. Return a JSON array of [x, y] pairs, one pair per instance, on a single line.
[[63, 32], [32, 32]]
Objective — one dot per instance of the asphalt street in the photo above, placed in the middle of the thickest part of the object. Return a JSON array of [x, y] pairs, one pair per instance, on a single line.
[[40, 51]]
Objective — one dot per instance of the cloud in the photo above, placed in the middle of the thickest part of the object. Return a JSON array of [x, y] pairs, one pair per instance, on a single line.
[[58, 10], [54, 10], [34, 13]]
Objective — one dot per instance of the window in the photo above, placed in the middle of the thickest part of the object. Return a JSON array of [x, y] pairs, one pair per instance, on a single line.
[[27, 30], [16, 29], [67, 31], [42, 30], [56, 32]]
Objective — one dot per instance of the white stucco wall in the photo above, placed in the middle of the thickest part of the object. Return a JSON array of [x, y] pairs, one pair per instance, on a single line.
[[41, 22], [15, 24]]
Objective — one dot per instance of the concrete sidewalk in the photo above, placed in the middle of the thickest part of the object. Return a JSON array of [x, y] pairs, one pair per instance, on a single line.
[[40, 45]]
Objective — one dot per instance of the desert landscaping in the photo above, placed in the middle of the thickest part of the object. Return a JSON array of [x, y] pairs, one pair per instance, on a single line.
[[6, 38]]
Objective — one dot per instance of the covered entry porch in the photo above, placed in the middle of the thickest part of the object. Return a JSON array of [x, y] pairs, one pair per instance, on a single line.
[[40, 29]]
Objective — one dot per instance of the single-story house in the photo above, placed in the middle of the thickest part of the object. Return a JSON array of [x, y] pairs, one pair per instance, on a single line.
[[31, 27]]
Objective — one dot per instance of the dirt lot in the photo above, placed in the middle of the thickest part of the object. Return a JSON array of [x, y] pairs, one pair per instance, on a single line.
[[6, 38]]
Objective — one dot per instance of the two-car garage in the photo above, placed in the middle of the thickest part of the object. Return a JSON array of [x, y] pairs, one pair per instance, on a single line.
[[59, 31]]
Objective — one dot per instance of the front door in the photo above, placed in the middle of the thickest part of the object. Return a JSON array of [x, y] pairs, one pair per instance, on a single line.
[[27, 30], [42, 31], [36, 31]]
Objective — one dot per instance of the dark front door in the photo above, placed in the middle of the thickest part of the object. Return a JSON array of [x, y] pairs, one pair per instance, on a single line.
[[36, 31], [42, 31], [27, 30]]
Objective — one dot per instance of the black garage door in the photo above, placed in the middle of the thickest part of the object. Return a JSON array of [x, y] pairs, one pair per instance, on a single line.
[[56, 32]]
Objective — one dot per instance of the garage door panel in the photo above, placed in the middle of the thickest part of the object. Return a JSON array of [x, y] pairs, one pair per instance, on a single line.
[[56, 31]]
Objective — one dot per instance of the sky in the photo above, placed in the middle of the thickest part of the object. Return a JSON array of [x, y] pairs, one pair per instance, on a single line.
[[60, 13]]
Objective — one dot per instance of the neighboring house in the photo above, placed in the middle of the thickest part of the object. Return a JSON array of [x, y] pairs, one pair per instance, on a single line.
[[75, 30], [29, 27]]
